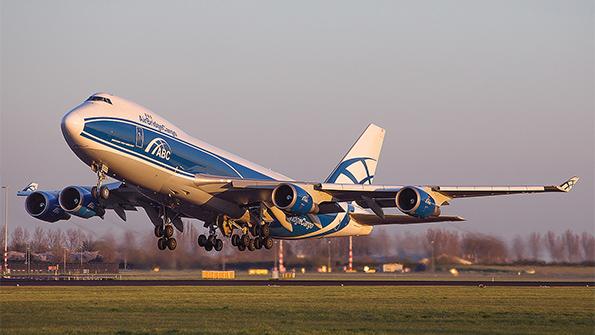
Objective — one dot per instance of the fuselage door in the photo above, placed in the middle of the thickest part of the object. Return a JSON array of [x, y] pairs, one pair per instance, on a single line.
[[140, 137]]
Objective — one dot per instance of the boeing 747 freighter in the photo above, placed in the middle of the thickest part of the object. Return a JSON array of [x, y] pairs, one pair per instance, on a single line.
[[171, 175]]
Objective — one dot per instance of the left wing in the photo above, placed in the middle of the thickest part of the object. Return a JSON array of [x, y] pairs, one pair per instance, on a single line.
[[421, 202]]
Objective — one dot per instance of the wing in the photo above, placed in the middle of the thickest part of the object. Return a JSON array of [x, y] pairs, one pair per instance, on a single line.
[[375, 220], [245, 191], [483, 191], [122, 198], [375, 197]]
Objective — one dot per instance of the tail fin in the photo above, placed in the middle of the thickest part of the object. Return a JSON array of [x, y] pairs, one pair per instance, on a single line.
[[359, 164]]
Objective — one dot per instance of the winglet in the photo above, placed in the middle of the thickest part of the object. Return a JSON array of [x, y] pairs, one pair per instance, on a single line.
[[569, 184], [32, 187]]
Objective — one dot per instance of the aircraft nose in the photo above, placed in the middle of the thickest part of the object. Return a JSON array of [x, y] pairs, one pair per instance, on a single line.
[[72, 126]]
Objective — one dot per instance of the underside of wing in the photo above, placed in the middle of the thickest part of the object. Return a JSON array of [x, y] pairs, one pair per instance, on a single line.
[[374, 220], [483, 191]]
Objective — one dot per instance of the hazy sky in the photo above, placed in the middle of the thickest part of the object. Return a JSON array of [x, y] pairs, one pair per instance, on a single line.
[[470, 92]]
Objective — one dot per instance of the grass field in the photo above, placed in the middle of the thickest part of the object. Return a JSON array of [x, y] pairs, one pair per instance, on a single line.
[[296, 310]]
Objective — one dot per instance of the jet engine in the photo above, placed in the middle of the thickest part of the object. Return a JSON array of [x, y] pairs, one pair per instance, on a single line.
[[294, 199], [416, 202], [44, 206], [79, 201]]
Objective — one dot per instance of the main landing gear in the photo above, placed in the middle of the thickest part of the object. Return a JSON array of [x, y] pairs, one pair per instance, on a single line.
[[166, 239], [260, 238], [252, 237], [165, 232], [211, 242]]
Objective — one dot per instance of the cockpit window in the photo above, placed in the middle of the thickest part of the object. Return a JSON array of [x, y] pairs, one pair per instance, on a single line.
[[98, 98]]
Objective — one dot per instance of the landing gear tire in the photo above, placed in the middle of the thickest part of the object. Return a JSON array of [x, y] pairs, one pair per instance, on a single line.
[[254, 230], [158, 232], [94, 192], [202, 240], [235, 240], [172, 243], [241, 246], [168, 231], [161, 243], [268, 243], [258, 243], [218, 245], [104, 192], [211, 239], [250, 245], [245, 240], [208, 246], [265, 230]]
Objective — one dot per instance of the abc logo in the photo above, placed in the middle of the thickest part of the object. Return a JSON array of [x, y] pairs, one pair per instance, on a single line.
[[158, 147]]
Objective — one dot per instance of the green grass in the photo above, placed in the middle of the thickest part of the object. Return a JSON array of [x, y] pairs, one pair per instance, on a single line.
[[296, 310]]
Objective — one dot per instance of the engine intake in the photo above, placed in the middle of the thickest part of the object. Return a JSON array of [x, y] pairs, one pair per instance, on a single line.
[[44, 206], [294, 199], [79, 201], [416, 202]]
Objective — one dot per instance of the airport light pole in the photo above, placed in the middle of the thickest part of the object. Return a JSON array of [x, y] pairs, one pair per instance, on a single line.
[[328, 269], [433, 260], [5, 267], [281, 264], [28, 259], [64, 270], [350, 253], [275, 268]]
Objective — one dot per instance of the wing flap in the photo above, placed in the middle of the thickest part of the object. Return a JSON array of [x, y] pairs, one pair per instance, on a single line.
[[375, 220]]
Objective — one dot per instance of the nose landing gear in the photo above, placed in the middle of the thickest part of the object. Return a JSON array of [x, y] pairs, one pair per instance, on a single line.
[[99, 191]]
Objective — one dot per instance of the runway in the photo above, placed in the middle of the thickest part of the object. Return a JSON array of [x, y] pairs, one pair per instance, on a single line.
[[293, 282]]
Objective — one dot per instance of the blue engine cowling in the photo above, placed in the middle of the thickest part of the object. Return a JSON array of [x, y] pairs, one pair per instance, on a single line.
[[79, 201], [44, 206], [293, 199], [416, 202]]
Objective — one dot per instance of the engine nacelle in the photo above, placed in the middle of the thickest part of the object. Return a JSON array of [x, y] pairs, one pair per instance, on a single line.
[[44, 206], [294, 199], [416, 202], [79, 201]]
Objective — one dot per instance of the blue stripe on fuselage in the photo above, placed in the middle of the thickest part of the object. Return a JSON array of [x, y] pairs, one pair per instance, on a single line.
[[185, 158]]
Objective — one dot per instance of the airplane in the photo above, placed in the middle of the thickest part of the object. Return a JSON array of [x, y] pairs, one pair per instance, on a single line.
[[171, 175]]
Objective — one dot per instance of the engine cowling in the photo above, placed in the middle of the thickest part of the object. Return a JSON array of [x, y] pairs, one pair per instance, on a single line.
[[416, 202], [79, 201], [294, 199], [44, 206]]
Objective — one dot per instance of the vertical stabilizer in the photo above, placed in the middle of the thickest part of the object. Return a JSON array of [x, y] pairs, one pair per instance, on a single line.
[[359, 164]]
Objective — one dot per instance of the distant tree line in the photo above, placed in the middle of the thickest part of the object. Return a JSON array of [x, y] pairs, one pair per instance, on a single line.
[[439, 245]]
